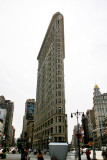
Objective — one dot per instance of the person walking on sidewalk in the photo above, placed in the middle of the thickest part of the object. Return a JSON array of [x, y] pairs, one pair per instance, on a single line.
[[23, 155], [76, 153], [88, 154], [39, 155], [104, 154]]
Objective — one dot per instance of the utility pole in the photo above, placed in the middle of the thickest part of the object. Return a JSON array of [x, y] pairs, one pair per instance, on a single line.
[[78, 133]]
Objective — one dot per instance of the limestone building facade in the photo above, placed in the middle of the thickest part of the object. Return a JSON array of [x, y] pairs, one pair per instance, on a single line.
[[100, 111], [50, 120]]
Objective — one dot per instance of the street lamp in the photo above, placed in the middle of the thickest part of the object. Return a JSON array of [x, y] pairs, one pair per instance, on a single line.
[[78, 134]]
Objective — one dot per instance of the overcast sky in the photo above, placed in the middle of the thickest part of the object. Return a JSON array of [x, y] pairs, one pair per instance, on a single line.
[[23, 25]]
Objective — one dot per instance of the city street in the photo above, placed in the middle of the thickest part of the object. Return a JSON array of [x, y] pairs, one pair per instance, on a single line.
[[70, 156], [46, 157]]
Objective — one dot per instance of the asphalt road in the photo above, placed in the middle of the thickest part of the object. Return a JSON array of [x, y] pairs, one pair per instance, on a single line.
[[70, 156]]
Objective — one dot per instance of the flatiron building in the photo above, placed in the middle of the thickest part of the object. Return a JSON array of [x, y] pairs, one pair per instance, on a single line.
[[49, 116]]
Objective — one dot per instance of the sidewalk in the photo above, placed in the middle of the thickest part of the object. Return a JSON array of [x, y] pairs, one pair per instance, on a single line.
[[70, 156], [98, 155]]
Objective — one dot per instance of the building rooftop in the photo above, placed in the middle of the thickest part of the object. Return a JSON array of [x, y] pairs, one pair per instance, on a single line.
[[96, 86]]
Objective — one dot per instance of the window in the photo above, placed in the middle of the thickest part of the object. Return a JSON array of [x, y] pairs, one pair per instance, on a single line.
[[59, 86], [48, 122], [51, 120], [58, 50], [59, 110], [59, 100], [58, 44], [59, 66], [63, 129], [58, 61], [56, 109], [58, 55], [56, 129], [59, 93], [59, 119], [56, 119], [59, 72], [63, 119], [45, 124], [59, 129], [56, 86], [56, 101], [59, 79]]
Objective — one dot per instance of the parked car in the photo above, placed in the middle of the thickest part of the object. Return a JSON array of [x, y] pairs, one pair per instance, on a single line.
[[12, 150], [3, 153]]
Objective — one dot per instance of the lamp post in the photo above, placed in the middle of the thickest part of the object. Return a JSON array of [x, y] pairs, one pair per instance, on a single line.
[[78, 134]]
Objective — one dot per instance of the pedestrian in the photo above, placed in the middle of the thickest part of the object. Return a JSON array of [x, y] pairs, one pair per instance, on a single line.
[[29, 157], [30, 150], [34, 151], [23, 155], [45, 151], [76, 153], [39, 155], [88, 154], [104, 154]]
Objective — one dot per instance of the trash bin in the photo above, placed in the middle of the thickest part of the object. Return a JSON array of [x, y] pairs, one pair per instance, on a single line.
[[58, 150]]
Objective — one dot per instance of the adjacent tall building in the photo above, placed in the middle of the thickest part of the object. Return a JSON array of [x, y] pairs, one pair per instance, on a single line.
[[50, 118], [28, 123], [100, 110], [91, 124], [9, 107], [2, 123]]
